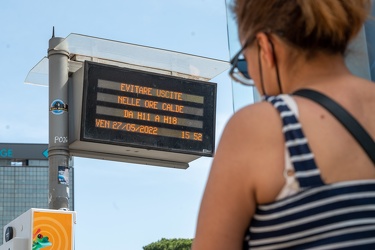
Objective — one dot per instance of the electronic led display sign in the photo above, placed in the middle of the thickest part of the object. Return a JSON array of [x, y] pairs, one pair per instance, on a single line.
[[140, 109]]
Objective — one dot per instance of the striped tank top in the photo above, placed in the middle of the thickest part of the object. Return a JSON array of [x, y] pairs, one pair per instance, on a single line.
[[319, 216]]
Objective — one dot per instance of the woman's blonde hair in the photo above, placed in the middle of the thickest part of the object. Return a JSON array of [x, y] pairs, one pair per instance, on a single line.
[[311, 25]]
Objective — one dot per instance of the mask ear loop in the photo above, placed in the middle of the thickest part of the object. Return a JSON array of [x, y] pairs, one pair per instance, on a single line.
[[261, 71], [276, 65]]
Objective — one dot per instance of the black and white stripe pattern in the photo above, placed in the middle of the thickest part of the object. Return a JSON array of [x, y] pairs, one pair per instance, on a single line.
[[336, 216]]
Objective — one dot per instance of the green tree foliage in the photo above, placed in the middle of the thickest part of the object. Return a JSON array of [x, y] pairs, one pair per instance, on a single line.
[[170, 244]]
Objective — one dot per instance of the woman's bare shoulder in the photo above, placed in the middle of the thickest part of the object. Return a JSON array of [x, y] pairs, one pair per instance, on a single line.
[[253, 141], [252, 114], [257, 121], [232, 188]]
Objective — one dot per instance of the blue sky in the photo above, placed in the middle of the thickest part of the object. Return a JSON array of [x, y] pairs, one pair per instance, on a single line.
[[119, 205]]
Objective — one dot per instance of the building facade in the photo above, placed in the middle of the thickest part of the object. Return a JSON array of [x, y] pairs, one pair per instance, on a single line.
[[24, 180]]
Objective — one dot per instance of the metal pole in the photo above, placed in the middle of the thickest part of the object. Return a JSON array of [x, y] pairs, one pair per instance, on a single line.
[[58, 149]]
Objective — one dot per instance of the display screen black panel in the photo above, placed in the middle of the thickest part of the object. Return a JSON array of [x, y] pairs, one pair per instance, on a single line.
[[139, 109]]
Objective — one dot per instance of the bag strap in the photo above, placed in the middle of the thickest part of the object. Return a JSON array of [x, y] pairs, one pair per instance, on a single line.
[[346, 119]]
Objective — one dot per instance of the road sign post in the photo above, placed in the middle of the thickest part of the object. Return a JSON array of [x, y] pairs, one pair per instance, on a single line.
[[58, 149]]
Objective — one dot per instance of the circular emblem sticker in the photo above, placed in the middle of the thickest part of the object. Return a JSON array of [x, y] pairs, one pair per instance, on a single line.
[[58, 107]]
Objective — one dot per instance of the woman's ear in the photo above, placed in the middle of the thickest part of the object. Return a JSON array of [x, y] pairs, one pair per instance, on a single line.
[[266, 50]]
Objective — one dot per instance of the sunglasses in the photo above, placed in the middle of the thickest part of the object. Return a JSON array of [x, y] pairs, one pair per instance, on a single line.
[[238, 71]]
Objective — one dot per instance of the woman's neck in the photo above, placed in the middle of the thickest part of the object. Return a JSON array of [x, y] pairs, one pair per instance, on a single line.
[[321, 69]]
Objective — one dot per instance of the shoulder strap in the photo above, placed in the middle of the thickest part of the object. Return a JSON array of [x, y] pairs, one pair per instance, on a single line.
[[347, 120], [306, 171]]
